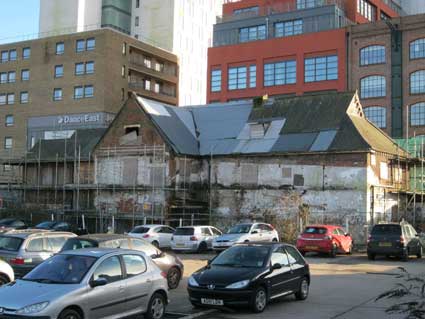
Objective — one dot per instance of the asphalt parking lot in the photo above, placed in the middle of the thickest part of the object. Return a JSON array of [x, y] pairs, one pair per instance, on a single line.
[[344, 287]]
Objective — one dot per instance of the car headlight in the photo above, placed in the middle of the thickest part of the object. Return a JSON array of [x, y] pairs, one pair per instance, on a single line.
[[37, 307], [238, 285], [193, 282]]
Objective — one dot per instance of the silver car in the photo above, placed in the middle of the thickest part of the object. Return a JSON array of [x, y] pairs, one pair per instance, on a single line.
[[6, 273], [194, 238], [88, 283]]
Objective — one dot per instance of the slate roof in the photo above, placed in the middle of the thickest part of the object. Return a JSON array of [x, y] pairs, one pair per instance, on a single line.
[[331, 122], [83, 141]]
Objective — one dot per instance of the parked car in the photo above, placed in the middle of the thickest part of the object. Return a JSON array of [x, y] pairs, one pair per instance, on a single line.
[[325, 239], [391, 239], [7, 224], [157, 235], [88, 283], [60, 226], [243, 233], [168, 263], [194, 238], [25, 249], [251, 274], [6, 273]]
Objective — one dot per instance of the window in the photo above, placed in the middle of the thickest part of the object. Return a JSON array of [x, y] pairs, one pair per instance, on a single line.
[[237, 78], [372, 86], [122, 94], [147, 85], [80, 45], [13, 55], [35, 245], [4, 56], [280, 257], [288, 28], [417, 49], [321, 68], [54, 244], [147, 62], [25, 75], [60, 48], [280, 73], [252, 76], [135, 265], [417, 114], [303, 4], [124, 48], [3, 99], [250, 10], [374, 54], [377, 115], [383, 170], [7, 168], [91, 44], [3, 77], [88, 91], [58, 71], [12, 77], [366, 9], [24, 98], [11, 98], [26, 53], [205, 231], [136, 21], [90, 67], [417, 82], [9, 120], [57, 94], [159, 67], [78, 92], [252, 33], [8, 143], [123, 71], [79, 68], [109, 269], [137, 3], [157, 87], [294, 256], [215, 80]]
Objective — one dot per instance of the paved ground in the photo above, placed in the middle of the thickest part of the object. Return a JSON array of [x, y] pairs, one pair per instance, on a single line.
[[344, 287]]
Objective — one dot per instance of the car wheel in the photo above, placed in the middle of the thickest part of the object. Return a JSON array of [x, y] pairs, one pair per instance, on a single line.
[[173, 277], [420, 252], [155, 243], [202, 247], [333, 251], [302, 292], [259, 300], [274, 240], [4, 279], [370, 256], [156, 307], [405, 256], [70, 314]]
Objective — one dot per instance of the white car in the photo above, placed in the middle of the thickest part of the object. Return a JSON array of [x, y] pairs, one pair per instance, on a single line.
[[6, 273], [194, 238], [157, 235], [243, 233]]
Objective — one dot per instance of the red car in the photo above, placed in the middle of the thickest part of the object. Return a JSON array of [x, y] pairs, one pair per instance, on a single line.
[[325, 239]]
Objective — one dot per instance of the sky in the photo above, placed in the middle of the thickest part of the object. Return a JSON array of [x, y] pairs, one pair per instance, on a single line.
[[18, 19]]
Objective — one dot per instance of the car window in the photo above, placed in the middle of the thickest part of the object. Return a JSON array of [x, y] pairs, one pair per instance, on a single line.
[[18, 223], [140, 230], [35, 245], [184, 231], [386, 229], [110, 269], [413, 231], [205, 231], [256, 227], [167, 230], [134, 265], [335, 232], [10, 243], [315, 230], [123, 243], [215, 231], [75, 243], [341, 232], [61, 226], [267, 227], [279, 256], [294, 256], [54, 244], [110, 244], [144, 246]]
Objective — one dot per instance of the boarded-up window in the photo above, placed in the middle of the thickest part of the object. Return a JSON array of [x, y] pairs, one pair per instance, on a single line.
[[249, 174], [383, 170], [298, 180], [286, 172], [157, 176], [130, 171]]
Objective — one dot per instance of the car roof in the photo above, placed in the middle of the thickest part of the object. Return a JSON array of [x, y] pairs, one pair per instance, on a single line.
[[25, 233], [150, 225], [324, 226], [264, 244], [96, 252], [103, 237], [197, 226]]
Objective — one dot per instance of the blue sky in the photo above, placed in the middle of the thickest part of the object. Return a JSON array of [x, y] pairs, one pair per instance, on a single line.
[[17, 19]]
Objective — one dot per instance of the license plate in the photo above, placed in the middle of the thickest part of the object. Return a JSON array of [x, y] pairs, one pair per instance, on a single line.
[[311, 247], [385, 244], [212, 302], [179, 245]]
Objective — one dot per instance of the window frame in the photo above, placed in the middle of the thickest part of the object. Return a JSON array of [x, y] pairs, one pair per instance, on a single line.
[[373, 89], [216, 80], [420, 113], [80, 96], [420, 86], [5, 145], [62, 45], [276, 73], [58, 75], [90, 47], [122, 277], [367, 54], [15, 55], [246, 34], [80, 48], [22, 73], [376, 108], [8, 99], [235, 78], [281, 27], [421, 44], [9, 77], [26, 101], [9, 124], [54, 95], [313, 75], [25, 56]]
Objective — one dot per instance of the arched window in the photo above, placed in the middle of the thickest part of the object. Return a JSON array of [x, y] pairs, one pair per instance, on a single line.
[[417, 114], [417, 82], [377, 115], [372, 86], [417, 49], [374, 54]]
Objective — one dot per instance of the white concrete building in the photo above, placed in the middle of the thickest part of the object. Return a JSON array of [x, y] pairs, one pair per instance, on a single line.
[[183, 27]]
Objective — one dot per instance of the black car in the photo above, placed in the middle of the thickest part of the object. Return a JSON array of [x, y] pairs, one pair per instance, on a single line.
[[391, 239], [60, 226], [250, 274], [7, 224], [171, 265]]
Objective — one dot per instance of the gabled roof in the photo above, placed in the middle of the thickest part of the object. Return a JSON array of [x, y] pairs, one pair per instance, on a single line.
[[331, 122]]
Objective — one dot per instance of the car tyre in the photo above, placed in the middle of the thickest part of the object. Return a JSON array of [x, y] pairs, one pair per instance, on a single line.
[[156, 244], [173, 277], [405, 256], [371, 256], [4, 279], [259, 300], [202, 247], [274, 240], [420, 252], [333, 251], [156, 307], [70, 314], [302, 292]]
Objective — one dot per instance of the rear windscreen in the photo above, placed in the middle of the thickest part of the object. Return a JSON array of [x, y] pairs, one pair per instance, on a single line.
[[10, 243], [315, 230], [386, 229], [140, 230], [184, 231]]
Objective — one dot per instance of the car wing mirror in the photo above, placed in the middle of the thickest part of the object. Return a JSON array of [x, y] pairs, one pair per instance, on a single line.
[[254, 232], [98, 282], [276, 266]]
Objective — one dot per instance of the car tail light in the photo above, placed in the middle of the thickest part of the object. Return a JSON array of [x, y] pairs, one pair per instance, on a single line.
[[369, 238], [17, 261], [146, 236], [164, 274], [300, 236], [193, 238]]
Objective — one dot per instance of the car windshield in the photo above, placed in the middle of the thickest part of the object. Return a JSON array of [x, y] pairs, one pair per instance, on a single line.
[[240, 229], [62, 269], [386, 229], [184, 231], [315, 230], [243, 256], [140, 230], [10, 243], [78, 243], [46, 225]]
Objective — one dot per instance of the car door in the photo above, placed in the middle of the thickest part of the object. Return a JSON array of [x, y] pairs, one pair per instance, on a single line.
[[344, 240], [256, 233], [268, 234], [164, 235], [207, 236], [298, 266], [109, 300], [280, 279], [138, 283], [216, 233], [36, 251], [337, 239]]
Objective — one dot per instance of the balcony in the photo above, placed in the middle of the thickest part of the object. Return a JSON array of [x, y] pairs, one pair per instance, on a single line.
[[162, 96]]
